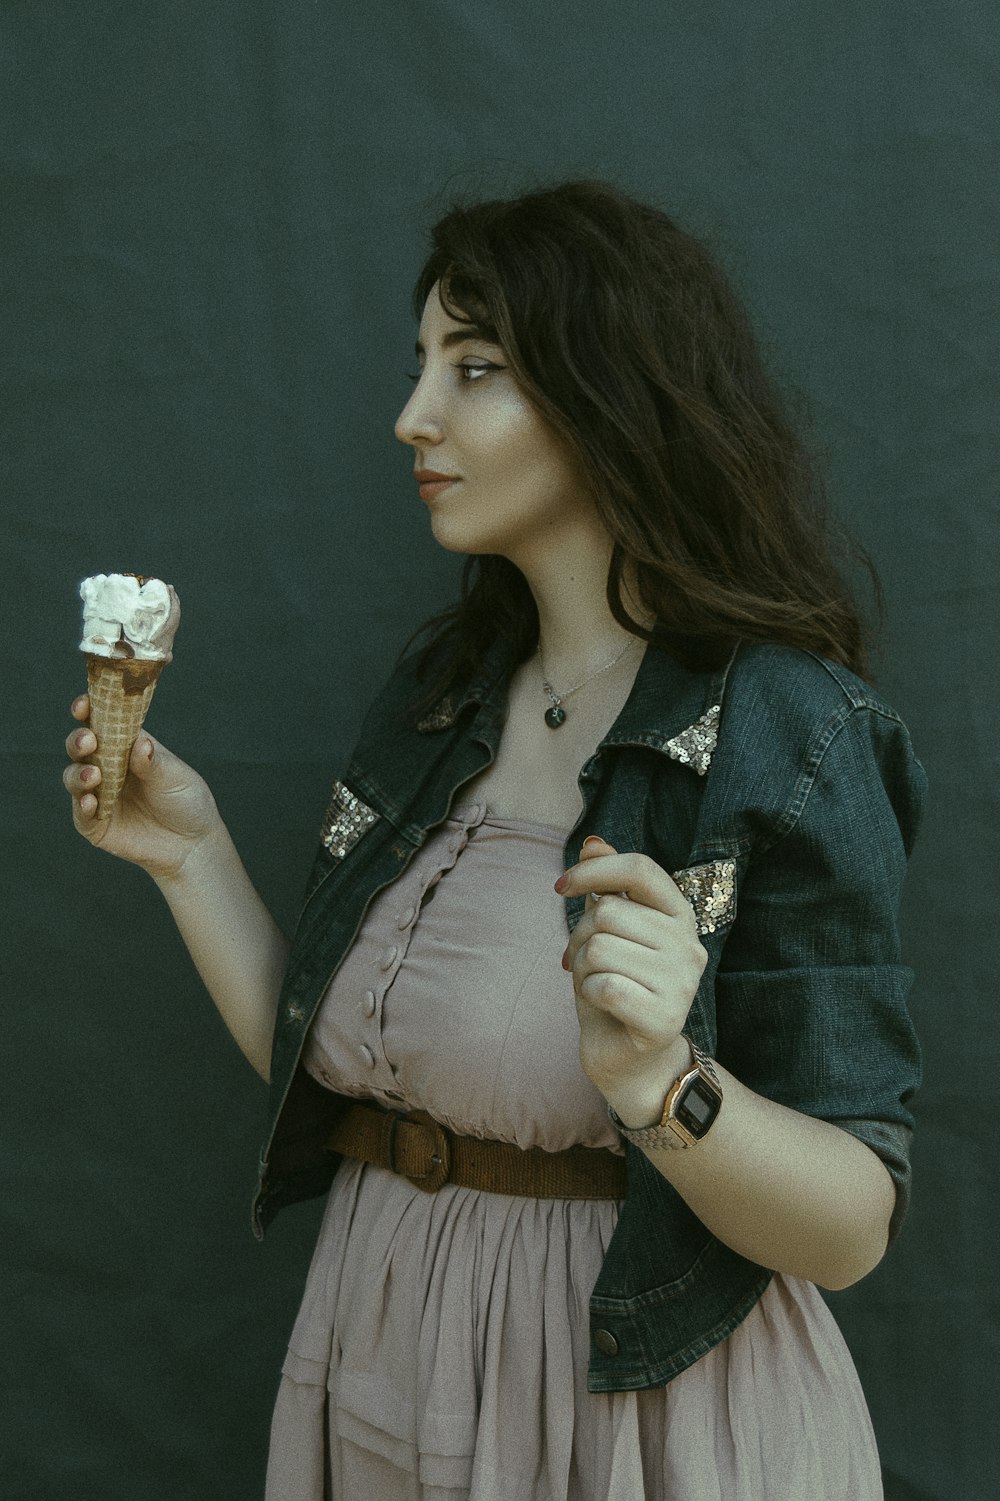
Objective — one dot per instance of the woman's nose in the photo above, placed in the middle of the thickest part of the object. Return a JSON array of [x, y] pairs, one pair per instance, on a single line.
[[416, 423]]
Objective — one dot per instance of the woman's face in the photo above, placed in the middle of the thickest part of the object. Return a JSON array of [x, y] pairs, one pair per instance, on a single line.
[[511, 487]]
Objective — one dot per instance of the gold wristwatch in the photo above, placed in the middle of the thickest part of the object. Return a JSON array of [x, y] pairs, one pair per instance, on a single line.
[[690, 1109]]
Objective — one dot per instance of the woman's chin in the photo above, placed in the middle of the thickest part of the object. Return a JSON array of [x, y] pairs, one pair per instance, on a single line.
[[456, 538]]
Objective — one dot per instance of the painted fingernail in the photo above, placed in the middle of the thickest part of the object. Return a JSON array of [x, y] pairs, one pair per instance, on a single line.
[[562, 882], [565, 959]]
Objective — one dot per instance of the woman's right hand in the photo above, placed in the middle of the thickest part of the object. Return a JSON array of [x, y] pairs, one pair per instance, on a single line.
[[165, 809]]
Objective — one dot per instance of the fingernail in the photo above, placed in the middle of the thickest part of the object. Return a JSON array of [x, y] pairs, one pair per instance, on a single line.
[[593, 839], [562, 882], [565, 959], [87, 774]]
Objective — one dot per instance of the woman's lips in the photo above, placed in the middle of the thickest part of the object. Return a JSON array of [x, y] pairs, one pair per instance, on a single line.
[[429, 488]]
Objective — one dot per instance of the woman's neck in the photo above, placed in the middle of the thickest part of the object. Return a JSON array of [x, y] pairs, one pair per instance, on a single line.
[[576, 630]]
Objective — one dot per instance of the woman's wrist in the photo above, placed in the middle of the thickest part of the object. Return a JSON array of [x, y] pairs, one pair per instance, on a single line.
[[638, 1100], [211, 847]]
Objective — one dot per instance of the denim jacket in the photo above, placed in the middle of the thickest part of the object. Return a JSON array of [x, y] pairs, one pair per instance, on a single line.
[[782, 794]]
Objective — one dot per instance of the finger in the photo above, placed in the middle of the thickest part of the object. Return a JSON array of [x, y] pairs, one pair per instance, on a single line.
[[141, 758], [624, 1001], [79, 780], [80, 707], [594, 844], [616, 914], [607, 954], [638, 876], [81, 743]]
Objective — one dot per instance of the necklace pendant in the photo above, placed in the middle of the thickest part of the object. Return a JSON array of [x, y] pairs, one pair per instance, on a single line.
[[555, 715]]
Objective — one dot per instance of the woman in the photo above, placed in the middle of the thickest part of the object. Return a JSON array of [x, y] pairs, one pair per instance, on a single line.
[[576, 1219]]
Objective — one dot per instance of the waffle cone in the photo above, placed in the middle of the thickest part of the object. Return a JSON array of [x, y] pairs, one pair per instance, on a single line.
[[120, 692]]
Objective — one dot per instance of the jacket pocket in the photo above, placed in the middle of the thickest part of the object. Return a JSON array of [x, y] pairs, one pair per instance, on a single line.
[[711, 890]]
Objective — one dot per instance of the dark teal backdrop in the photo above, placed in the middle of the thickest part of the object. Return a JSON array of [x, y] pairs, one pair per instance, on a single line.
[[211, 214]]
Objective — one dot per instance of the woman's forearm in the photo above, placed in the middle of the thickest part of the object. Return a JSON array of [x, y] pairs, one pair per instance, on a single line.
[[238, 949], [793, 1193]]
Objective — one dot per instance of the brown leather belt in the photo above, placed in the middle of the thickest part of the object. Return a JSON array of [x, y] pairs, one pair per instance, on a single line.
[[418, 1147]]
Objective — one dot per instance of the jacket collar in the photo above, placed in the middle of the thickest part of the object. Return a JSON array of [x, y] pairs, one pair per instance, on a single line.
[[671, 708]]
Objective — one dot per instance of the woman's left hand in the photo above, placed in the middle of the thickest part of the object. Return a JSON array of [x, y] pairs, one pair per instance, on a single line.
[[636, 963]]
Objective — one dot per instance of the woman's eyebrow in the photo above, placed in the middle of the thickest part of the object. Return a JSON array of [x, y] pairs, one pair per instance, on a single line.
[[458, 336]]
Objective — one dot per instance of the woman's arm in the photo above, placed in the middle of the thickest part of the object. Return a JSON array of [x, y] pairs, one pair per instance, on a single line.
[[805, 1169], [795, 1194], [790, 1191], [166, 821], [236, 945]]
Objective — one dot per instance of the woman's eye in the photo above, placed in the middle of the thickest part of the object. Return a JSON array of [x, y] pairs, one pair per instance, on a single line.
[[469, 372], [480, 368]]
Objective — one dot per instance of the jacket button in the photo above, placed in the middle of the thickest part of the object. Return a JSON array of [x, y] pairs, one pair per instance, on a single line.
[[605, 1342], [368, 1006], [367, 1056]]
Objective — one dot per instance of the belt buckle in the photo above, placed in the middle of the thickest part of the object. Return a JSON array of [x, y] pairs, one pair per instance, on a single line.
[[438, 1172]]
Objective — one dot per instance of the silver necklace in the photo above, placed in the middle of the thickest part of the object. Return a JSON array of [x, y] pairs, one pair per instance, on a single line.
[[555, 714]]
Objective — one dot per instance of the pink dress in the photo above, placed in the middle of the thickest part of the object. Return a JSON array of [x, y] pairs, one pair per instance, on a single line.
[[441, 1348]]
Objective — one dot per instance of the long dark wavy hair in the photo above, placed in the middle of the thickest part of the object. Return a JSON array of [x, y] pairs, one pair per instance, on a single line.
[[626, 336]]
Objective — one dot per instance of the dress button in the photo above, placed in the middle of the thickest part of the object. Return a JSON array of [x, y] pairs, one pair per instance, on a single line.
[[388, 958], [368, 1004], [405, 918], [367, 1056], [605, 1342]]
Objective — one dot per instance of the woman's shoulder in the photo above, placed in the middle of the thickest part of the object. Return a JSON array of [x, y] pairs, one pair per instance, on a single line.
[[792, 687], [792, 718]]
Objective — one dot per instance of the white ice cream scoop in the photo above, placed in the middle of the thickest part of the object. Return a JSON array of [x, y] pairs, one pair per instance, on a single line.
[[128, 616]]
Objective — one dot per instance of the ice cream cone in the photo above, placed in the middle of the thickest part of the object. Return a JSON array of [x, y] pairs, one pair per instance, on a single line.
[[129, 622], [120, 693]]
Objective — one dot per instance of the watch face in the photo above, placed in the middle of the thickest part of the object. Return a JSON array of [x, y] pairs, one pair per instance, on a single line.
[[697, 1108]]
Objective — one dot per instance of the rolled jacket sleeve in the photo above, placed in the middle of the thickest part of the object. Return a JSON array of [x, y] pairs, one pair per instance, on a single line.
[[810, 991]]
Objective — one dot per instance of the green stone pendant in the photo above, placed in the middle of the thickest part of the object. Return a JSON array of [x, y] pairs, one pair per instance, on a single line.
[[555, 716]]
